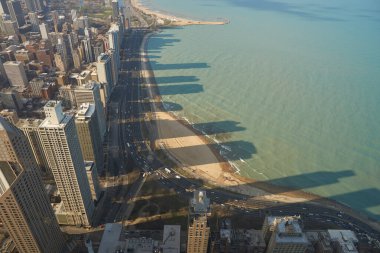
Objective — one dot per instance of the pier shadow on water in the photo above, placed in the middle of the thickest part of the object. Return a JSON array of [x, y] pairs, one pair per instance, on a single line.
[[180, 89], [176, 79]]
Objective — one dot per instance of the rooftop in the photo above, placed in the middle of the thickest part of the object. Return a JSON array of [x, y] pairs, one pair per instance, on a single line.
[[110, 239], [200, 203], [86, 110], [289, 230]]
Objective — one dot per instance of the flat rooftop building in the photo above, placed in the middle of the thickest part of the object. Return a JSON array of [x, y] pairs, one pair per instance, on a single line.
[[288, 237], [343, 240]]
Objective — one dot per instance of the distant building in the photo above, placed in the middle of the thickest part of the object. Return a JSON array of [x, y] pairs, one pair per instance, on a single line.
[[89, 55], [46, 57], [10, 98], [15, 10], [98, 48], [16, 73], [115, 9], [44, 29], [288, 237], [34, 21], [105, 72], [90, 93], [198, 229], [60, 62], [36, 85], [10, 27], [4, 7], [24, 56]]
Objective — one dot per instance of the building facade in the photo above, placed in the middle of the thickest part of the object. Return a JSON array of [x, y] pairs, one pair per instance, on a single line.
[[60, 142], [89, 136], [198, 229], [24, 207], [16, 74]]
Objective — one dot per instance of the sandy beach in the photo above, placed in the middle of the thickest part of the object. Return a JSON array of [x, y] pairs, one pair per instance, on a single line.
[[174, 21]]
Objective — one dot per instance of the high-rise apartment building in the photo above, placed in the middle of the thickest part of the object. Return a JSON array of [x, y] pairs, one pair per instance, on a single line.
[[89, 135], [44, 29], [34, 21], [90, 93], [36, 85], [24, 206], [98, 48], [105, 72], [10, 115], [288, 237], [115, 9], [11, 99], [16, 73], [34, 5], [93, 179], [88, 50], [30, 130], [114, 41], [4, 7], [60, 142], [198, 230], [15, 10], [10, 27]]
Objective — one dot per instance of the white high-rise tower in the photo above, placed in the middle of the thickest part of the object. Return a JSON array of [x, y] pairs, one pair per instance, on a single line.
[[60, 142]]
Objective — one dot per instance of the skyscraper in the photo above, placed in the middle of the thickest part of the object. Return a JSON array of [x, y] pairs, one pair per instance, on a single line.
[[24, 206], [90, 93], [4, 7], [34, 5], [114, 41], [16, 73], [88, 50], [105, 72], [98, 48], [34, 21], [60, 142], [89, 135], [115, 9], [30, 130], [93, 179], [198, 230], [15, 10], [44, 29]]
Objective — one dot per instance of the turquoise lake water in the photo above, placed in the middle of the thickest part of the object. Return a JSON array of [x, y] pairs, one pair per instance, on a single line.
[[290, 89]]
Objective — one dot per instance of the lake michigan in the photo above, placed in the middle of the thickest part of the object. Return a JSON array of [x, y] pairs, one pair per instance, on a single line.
[[289, 88]]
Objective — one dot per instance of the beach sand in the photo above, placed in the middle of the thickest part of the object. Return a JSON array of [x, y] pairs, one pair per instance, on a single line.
[[174, 21]]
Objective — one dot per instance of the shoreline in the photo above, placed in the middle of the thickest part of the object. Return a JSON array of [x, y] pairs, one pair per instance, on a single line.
[[174, 20], [223, 175]]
